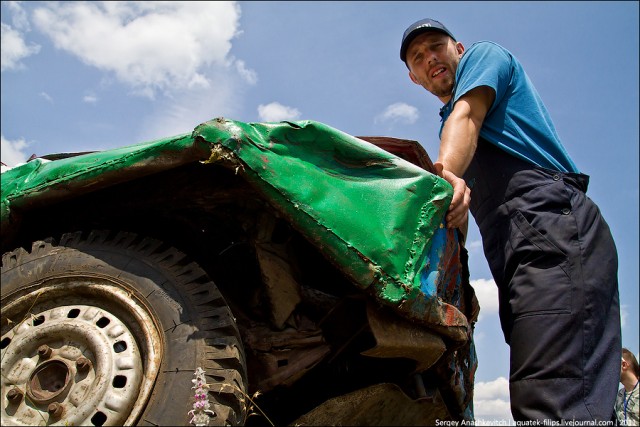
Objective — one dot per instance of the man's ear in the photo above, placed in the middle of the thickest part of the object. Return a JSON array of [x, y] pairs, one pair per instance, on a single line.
[[413, 78], [459, 48]]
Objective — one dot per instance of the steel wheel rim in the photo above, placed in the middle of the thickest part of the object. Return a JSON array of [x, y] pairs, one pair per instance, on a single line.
[[106, 324]]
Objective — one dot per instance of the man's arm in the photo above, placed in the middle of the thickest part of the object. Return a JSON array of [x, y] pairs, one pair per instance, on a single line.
[[458, 145]]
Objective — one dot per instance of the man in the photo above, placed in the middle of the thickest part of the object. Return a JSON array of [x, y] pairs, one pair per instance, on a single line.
[[550, 251], [627, 406]]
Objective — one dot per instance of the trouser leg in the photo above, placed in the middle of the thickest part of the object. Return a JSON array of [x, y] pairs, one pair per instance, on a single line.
[[564, 325]]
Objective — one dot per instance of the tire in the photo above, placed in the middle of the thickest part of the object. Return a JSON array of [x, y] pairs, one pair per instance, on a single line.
[[141, 315]]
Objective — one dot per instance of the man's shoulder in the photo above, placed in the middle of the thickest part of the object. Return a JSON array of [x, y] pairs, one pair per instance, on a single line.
[[487, 45], [619, 398], [487, 52]]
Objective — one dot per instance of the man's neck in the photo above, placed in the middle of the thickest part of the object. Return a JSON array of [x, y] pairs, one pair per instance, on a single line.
[[445, 99], [629, 382]]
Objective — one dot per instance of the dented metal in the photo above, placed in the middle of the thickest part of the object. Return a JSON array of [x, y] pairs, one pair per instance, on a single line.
[[374, 213], [369, 205]]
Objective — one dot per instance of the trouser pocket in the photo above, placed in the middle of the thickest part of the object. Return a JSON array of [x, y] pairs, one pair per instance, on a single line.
[[537, 271]]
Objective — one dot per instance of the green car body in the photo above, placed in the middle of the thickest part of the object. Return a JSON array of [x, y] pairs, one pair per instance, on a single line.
[[377, 218]]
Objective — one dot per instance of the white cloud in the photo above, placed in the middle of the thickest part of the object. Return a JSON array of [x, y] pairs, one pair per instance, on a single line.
[[398, 113], [624, 314], [14, 49], [491, 402], [276, 112], [474, 245], [47, 97], [183, 111], [496, 389], [487, 293], [151, 46], [12, 152], [90, 99], [248, 75], [18, 15]]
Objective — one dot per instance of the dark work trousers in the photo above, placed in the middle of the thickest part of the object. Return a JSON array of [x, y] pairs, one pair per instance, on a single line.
[[555, 263]]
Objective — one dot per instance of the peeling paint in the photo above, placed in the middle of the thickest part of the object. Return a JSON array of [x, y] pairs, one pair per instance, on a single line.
[[377, 217]]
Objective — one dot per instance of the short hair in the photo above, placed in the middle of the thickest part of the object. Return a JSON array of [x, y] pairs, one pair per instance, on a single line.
[[631, 359]]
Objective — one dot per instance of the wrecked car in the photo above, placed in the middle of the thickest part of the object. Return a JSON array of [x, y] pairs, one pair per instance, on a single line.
[[308, 273]]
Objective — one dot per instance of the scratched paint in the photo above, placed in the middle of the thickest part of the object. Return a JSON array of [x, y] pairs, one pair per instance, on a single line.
[[375, 215]]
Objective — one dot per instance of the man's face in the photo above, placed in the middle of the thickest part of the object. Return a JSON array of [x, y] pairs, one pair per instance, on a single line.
[[432, 59]]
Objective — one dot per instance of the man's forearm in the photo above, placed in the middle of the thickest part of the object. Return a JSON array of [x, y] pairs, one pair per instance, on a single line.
[[458, 144], [459, 139], [461, 130]]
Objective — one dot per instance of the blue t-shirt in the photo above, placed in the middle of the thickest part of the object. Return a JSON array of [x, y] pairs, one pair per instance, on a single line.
[[518, 122]]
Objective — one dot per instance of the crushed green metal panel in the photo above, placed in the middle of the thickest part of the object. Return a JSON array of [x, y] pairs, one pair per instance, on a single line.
[[372, 213], [40, 181]]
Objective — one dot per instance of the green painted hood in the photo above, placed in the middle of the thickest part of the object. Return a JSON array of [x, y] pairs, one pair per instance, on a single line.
[[373, 214]]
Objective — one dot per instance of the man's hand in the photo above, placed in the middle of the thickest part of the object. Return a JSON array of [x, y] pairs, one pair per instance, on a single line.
[[458, 143], [458, 212]]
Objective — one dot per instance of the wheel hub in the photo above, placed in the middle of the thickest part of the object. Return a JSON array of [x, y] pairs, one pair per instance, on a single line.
[[48, 381], [74, 365]]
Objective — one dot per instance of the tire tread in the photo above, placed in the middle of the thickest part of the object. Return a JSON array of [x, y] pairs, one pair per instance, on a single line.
[[222, 354]]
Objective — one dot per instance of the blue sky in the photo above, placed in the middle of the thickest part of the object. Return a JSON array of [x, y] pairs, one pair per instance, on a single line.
[[89, 76]]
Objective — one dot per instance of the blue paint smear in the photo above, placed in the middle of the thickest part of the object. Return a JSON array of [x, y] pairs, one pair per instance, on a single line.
[[430, 274]]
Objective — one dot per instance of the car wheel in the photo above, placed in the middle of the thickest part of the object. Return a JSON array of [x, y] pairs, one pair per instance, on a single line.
[[108, 328]]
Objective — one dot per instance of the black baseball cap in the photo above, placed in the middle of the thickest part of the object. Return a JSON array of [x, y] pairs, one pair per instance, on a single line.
[[417, 28]]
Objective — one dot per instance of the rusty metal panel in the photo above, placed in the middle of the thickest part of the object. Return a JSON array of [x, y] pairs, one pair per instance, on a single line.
[[395, 337], [378, 405], [40, 181], [377, 217], [372, 213]]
